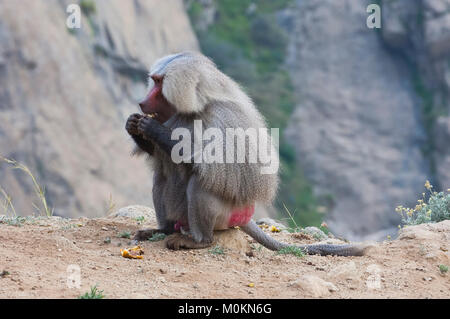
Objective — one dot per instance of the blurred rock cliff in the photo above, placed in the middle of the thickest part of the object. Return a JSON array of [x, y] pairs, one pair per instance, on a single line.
[[65, 96]]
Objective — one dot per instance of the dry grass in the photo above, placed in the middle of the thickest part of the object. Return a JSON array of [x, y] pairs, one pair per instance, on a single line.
[[38, 189]]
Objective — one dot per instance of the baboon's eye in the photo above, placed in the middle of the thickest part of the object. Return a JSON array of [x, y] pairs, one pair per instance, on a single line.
[[157, 80]]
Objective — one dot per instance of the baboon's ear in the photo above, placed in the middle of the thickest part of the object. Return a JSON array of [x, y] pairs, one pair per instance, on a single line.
[[180, 88]]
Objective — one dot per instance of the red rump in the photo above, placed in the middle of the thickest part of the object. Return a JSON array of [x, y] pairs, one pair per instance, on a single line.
[[241, 216], [238, 217], [180, 225]]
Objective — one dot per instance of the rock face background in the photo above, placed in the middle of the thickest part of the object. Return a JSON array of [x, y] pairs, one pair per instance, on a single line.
[[428, 49], [65, 96], [363, 128], [370, 126]]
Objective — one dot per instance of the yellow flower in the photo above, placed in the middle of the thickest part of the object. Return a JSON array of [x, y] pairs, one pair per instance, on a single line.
[[428, 185], [399, 209], [429, 212], [273, 229]]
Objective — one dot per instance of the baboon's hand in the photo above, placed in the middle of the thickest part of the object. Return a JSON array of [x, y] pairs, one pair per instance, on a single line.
[[132, 123], [146, 126], [153, 131]]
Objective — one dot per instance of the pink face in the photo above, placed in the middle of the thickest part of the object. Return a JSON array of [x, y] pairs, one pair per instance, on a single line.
[[155, 102]]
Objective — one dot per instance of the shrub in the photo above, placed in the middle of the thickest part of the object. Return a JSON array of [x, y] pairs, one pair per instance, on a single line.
[[433, 210], [93, 294], [291, 250]]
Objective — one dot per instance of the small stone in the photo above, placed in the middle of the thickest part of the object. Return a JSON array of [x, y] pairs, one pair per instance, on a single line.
[[315, 286], [315, 232], [136, 211]]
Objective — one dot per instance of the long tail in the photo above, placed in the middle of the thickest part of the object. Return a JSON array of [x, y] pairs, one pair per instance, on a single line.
[[315, 249]]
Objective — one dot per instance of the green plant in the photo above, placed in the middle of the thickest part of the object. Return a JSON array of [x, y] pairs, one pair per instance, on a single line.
[[217, 250], [296, 228], [140, 219], [111, 205], [435, 209], [88, 7], [13, 221], [7, 204], [443, 269], [93, 294], [157, 237], [38, 189], [125, 234], [291, 250]]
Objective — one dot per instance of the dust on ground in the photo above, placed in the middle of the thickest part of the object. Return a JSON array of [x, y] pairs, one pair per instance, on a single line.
[[39, 259]]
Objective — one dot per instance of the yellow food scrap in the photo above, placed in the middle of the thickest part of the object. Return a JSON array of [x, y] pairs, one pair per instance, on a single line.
[[132, 253], [273, 229], [251, 285]]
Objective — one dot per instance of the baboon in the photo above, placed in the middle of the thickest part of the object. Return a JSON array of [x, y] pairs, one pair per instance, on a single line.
[[194, 198]]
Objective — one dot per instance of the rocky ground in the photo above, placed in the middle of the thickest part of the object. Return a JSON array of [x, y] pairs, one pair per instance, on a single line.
[[38, 256]]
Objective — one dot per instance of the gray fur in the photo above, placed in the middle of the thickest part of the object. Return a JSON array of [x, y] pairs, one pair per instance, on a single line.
[[203, 195]]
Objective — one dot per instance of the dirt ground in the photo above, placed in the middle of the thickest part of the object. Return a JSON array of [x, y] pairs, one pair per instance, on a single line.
[[41, 257]]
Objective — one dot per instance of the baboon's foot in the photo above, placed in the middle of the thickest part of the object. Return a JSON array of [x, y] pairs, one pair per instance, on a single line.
[[144, 234], [178, 241]]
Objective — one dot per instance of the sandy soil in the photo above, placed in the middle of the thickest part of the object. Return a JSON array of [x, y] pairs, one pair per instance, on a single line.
[[35, 257]]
